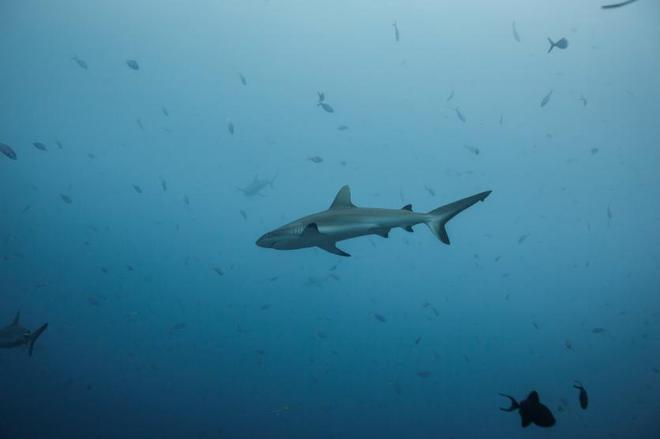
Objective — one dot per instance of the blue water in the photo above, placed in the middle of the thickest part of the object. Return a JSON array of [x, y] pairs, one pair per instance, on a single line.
[[167, 321]]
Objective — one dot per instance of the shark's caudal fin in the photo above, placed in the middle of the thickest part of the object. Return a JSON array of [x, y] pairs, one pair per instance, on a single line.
[[440, 216], [35, 335]]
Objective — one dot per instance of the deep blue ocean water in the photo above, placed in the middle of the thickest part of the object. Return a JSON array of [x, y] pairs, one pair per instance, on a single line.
[[126, 231]]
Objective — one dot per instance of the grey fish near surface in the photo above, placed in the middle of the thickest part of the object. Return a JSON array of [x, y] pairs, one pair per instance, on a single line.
[[396, 32], [515, 32], [131, 63], [15, 335], [40, 146], [8, 151], [344, 220], [583, 397], [546, 99], [561, 44], [531, 411]]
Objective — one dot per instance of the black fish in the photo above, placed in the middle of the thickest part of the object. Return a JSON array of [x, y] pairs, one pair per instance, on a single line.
[[451, 96], [40, 146], [243, 80], [617, 5], [531, 410], [133, 64], [546, 99], [396, 32], [460, 115], [164, 110], [81, 62], [561, 44], [342, 127], [137, 188], [230, 127], [315, 159], [8, 151], [66, 199], [515, 32], [584, 398], [380, 317], [321, 96], [326, 107]]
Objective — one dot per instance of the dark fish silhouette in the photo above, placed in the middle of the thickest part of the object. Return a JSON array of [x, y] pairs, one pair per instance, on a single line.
[[584, 398], [326, 107], [164, 110], [66, 199], [40, 146], [561, 44], [16, 335], [531, 411], [243, 80], [315, 159], [584, 100], [460, 115], [342, 127], [451, 96], [321, 96], [546, 98], [8, 151], [396, 32], [515, 32], [380, 318], [618, 5], [131, 63], [137, 188], [81, 62], [230, 127]]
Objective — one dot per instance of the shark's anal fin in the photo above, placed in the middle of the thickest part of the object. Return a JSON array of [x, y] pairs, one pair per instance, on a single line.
[[408, 229], [332, 248], [385, 233]]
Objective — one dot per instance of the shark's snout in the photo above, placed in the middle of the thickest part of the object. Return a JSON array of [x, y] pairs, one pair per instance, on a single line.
[[266, 241]]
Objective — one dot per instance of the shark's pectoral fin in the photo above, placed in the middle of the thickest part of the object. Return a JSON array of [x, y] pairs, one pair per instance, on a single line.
[[408, 229], [311, 231], [332, 248], [385, 233]]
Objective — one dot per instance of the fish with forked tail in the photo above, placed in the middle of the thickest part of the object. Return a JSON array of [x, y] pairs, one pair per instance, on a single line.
[[16, 335], [531, 410]]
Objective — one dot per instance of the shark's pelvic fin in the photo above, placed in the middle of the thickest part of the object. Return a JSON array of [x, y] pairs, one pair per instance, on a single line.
[[17, 318], [408, 229], [35, 335], [407, 207], [440, 216], [385, 233], [343, 199], [332, 248]]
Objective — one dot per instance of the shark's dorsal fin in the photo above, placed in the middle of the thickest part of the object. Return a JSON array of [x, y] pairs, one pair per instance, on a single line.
[[407, 207], [343, 199], [16, 319]]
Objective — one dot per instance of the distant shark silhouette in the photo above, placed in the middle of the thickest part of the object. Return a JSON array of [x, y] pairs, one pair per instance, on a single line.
[[343, 220], [15, 335]]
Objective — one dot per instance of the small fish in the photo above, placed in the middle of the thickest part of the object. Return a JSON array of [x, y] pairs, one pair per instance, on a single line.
[[26, 208], [131, 63], [219, 271], [424, 374], [584, 398], [265, 307], [243, 80], [380, 318], [515, 32], [342, 127], [618, 5], [139, 123], [137, 188], [609, 213], [501, 119], [568, 344], [327, 108], [536, 325], [435, 311], [561, 44], [472, 149], [230, 127], [163, 184], [186, 200], [531, 410], [66, 199], [321, 96], [546, 99], [315, 159], [594, 151], [59, 144], [417, 340], [598, 330], [243, 214], [8, 151], [460, 115], [451, 96], [165, 112], [522, 238], [81, 62], [584, 100], [396, 32], [40, 146], [430, 190]]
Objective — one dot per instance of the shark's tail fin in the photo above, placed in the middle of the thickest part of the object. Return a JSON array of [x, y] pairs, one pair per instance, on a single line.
[[439, 217], [35, 335], [552, 45]]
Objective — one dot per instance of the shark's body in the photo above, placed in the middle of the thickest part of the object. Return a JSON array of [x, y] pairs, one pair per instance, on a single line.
[[16, 335], [256, 186], [343, 220]]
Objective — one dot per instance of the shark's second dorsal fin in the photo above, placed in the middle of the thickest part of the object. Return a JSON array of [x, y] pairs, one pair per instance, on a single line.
[[343, 199], [16, 319]]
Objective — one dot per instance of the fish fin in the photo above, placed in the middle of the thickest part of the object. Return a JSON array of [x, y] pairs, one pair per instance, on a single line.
[[331, 247], [407, 207], [525, 421], [408, 229], [439, 217], [534, 397], [35, 335], [311, 229], [552, 45], [385, 233], [514, 403], [342, 199], [16, 319]]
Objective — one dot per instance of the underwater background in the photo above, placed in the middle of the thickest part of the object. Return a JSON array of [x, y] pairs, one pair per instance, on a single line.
[[125, 228]]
